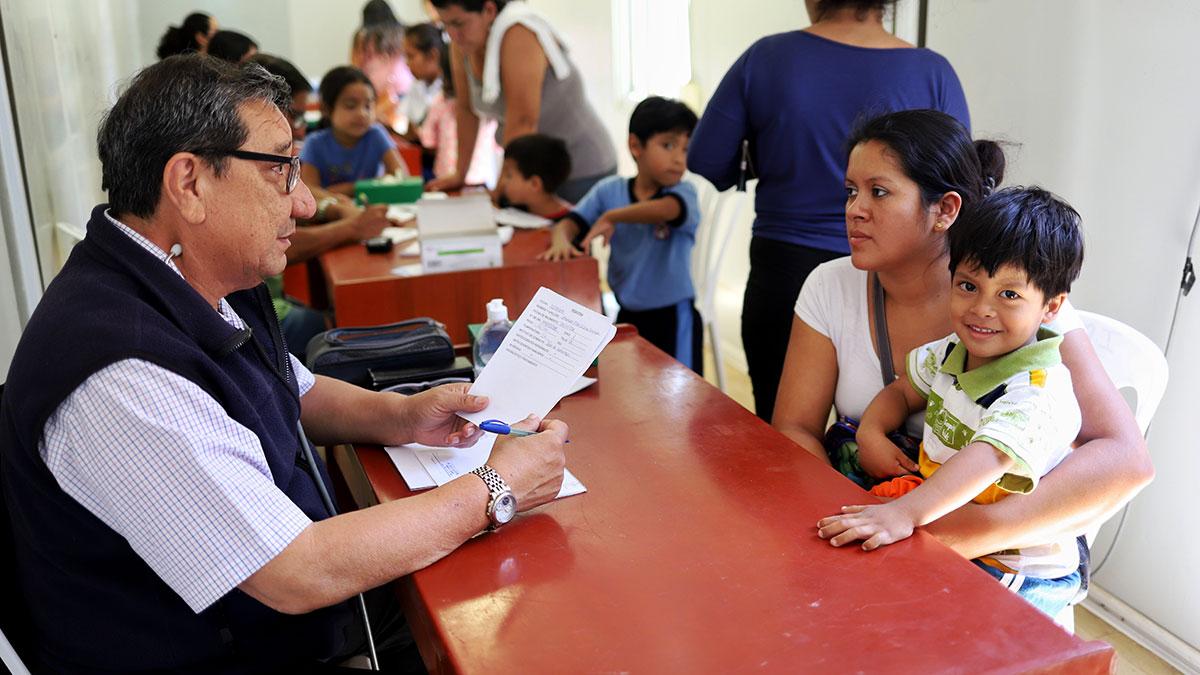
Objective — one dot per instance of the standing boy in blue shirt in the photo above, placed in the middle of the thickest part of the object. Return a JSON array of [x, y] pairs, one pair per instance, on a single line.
[[650, 222]]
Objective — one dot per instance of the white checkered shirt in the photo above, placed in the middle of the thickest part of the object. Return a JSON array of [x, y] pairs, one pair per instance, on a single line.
[[159, 461]]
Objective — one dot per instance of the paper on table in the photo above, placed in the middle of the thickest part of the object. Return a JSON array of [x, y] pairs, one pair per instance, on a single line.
[[405, 459], [550, 345], [521, 219], [582, 383], [424, 467], [399, 235], [446, 464]]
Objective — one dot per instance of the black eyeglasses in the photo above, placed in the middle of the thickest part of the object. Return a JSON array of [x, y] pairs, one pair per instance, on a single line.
[[293, 163]]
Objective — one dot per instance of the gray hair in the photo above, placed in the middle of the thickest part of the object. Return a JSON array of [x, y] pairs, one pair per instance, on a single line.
[[184, 103]]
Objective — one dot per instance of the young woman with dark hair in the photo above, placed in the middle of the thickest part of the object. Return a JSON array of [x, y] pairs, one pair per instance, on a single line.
[[793, 97], [909, 175]]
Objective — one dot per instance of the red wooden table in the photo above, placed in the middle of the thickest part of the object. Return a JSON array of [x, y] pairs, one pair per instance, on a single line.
[[365, 292], [694, 550]]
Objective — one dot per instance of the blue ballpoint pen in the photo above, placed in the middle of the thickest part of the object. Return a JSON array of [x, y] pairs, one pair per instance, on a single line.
[[498, 427]]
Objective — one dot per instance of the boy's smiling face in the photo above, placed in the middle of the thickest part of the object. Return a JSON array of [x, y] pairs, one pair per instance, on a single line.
[[663, 157], [997, 314]]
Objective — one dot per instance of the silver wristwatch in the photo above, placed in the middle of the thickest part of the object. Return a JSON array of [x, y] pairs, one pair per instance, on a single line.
[[502, 505]]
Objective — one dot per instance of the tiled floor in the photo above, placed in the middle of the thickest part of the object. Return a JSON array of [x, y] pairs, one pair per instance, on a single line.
[[1132, 658]]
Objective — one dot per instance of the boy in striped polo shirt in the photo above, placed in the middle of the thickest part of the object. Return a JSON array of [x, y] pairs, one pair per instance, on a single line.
[[1000, 411]]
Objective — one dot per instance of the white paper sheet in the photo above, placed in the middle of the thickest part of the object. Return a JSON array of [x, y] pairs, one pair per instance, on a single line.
[[521, 219], [549, 347], [424, 467], [399, 235], [582, 383], [446, 464]]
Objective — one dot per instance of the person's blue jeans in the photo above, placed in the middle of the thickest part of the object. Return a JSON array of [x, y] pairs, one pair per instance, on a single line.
[[1048, 595]]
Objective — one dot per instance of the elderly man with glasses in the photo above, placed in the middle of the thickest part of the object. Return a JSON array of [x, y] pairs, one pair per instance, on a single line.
[[162, 512]]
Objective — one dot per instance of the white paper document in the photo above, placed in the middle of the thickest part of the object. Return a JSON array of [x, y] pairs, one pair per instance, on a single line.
[[424, 467], [549, 347], [521, 219]]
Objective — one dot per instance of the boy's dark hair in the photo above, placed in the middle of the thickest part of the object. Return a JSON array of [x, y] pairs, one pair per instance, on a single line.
[[332, 85], [861, 7], [182, 39], [230, 45], [275, 65], [469, 5], [658, 115], [543, 156], [183, 103], [1027, 227]]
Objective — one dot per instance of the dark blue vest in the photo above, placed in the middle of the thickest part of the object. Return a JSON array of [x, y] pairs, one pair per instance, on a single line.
[[95, 605]]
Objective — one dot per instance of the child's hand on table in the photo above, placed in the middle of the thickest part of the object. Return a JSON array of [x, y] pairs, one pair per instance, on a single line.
[[561, 247], [878, 525]]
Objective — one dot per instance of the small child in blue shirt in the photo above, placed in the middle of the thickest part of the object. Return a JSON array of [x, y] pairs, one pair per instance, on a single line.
[[650, 222], [353, 146]]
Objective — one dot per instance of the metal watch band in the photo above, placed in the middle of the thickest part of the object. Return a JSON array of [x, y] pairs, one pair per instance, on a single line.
[[495, 484]]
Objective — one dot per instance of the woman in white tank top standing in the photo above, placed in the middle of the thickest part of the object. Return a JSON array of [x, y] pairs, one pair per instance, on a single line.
[[517, 70]]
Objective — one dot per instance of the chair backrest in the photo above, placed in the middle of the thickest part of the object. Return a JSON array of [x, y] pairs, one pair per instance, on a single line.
[[13, 617], [720, 213], [1131, 360], [66, 236]]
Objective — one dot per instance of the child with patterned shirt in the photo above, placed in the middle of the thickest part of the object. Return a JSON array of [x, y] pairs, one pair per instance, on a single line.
[[1000, 411], [650, 222]]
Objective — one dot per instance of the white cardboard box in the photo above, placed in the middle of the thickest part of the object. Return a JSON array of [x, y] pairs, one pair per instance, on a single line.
[[458, 234], [467, 252]]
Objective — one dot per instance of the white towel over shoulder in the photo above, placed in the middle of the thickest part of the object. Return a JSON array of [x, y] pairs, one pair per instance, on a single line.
[[519, 13]]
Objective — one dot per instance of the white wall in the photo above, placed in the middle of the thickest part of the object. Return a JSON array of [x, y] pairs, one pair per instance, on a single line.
[[313, 34], [1103, 97]]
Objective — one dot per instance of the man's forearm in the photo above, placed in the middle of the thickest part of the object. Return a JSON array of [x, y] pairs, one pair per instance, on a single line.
[[334, 559], [312, 240], [338, 412]]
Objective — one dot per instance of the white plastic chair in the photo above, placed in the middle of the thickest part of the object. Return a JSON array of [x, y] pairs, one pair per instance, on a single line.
[[66, 236], [720, 212], [1132, 361]]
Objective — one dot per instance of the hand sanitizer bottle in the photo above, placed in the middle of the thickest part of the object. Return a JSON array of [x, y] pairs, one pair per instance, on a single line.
[[492, 334]]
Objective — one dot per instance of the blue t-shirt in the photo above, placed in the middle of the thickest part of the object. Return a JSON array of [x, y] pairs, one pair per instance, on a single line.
[[795, 97], [644, 270], [339, 164]]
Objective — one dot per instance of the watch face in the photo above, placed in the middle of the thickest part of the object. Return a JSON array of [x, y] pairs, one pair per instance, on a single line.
[[506, 507]]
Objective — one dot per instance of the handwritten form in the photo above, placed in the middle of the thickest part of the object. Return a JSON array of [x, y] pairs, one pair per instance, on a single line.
[[549, 347], [424, 467], [541, 360]]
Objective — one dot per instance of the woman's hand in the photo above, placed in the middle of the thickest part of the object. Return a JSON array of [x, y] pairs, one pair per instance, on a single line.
[[879, 525], [880, 457]]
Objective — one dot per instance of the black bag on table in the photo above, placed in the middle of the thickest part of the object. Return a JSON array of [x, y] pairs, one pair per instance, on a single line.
[[351, 354]]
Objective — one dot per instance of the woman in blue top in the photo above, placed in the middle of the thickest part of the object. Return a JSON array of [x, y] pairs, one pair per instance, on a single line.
[[794, 97]]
